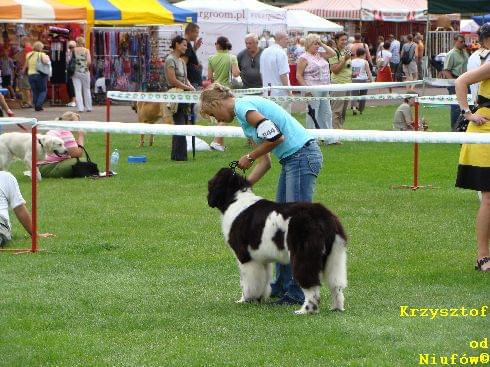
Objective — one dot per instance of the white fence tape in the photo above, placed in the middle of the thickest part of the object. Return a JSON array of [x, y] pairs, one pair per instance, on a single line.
[[442, 100], [347, 87], [436, 82], [232, 131], [371, 97]]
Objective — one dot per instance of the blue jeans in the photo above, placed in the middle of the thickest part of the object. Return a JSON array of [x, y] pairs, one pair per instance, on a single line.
[[322, 112], [39, 87], [296, 183], [455, 110]]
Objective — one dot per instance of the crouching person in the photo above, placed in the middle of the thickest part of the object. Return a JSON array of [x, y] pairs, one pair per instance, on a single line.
[[60, 166], [10, 197]]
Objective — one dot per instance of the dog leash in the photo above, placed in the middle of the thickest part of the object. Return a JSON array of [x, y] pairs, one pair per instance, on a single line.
[[234, 166]]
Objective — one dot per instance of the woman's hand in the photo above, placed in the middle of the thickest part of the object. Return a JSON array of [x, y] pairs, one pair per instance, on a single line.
[[477, 119], [244, 163]]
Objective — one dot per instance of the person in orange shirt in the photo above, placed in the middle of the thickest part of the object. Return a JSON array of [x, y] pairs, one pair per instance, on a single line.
[[419, 54]]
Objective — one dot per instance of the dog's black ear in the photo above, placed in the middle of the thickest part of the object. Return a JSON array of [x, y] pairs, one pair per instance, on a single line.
[[221, 188]]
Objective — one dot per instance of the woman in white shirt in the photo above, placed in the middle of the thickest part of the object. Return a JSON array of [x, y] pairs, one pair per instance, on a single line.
[[361, 73]]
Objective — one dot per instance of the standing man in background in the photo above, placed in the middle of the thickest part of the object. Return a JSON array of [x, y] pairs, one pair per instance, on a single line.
[[249, 62], [194, 68], [395, 57], [455, 65], [341, 67], [407, 58], [274, 65]]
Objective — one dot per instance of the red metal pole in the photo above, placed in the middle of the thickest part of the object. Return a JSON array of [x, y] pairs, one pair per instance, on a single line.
[[34, 189], [107, 137], [416, 149]]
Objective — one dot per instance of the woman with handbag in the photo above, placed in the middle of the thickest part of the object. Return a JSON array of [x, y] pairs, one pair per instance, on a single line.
[[383, 60], [222, 68], [55, 166], [38, 65], [176, 75]]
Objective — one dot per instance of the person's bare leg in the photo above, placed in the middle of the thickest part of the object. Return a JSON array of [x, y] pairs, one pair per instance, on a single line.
[[4, 105], [483, 228]]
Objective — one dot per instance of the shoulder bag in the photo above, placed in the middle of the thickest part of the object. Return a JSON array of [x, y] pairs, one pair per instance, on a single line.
[[41, 67], [407, 58], [85, 169], [70, 68]]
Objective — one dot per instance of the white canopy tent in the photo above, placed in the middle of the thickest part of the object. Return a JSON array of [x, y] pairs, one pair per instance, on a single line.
[[232, 19], [468, 26], [305, 21]]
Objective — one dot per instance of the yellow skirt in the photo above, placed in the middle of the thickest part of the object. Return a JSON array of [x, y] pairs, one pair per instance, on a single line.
[[474, 162]]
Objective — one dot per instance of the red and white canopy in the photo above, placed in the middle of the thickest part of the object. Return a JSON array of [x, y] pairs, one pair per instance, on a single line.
[[40, 11], [366, 10]]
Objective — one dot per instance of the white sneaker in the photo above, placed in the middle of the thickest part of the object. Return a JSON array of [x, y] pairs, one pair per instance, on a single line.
[[71, 104], [216, 146]]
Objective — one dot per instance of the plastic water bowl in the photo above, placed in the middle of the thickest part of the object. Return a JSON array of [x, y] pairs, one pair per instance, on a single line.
[[137, 159]]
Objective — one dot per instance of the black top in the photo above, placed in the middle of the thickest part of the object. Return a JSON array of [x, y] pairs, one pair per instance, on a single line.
[[194, 70]]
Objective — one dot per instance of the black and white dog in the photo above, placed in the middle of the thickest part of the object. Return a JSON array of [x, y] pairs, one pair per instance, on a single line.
[[262, 232]]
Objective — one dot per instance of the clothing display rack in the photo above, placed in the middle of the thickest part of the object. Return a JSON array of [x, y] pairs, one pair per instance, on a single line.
[[121, 56], [131, 58]]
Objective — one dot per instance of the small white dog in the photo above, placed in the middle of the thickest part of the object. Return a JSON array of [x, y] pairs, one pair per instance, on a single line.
[[18, 145]]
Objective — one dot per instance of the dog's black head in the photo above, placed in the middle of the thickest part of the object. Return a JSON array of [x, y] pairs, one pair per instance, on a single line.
[[223, 186]]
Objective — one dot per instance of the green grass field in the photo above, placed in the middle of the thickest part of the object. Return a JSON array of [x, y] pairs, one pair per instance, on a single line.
[[139, 274]]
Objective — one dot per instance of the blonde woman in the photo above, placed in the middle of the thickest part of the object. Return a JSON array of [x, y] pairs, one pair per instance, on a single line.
[[60, 166], [37, 81], [271, 129], [313, 69], [81, 78]]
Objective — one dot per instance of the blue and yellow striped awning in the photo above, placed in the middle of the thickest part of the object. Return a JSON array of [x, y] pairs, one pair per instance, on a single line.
[[133, 12]]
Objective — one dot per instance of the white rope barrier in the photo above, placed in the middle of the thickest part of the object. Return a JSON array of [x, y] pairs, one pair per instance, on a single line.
[[193, 97], [236, 132], [17, 120]]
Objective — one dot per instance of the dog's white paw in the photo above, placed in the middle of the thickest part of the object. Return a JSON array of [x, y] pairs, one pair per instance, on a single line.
[[241, 300], [306, 311], [301, 311]]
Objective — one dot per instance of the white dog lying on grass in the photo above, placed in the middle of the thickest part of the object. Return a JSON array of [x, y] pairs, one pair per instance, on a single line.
[[18, 145]]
